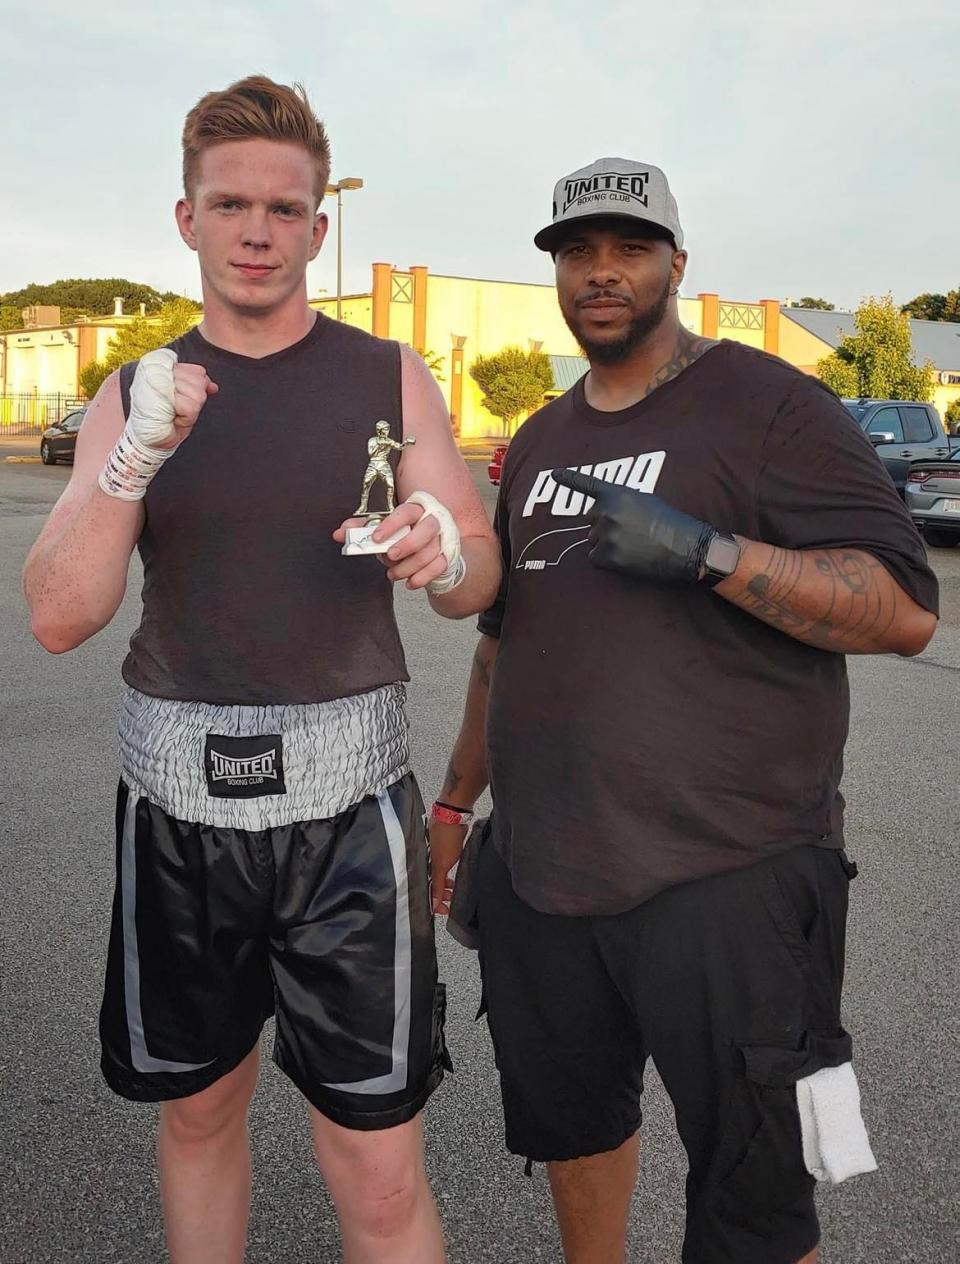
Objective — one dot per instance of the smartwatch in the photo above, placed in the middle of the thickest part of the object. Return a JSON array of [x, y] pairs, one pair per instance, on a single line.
[[721, 558]]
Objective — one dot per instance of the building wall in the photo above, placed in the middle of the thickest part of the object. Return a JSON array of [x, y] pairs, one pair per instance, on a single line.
[[357, 309], [487, 316], [743, 322], [50, 360], [944, 396], [42, 360], [691, 315], [801, 347]]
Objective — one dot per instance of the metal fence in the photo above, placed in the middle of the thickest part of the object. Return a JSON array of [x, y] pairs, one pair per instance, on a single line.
[[30, 412]]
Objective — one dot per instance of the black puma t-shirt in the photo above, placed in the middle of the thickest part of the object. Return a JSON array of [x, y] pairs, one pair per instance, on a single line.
[[642, 735]]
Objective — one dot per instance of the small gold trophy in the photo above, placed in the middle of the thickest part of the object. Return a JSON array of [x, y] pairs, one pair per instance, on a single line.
[[359, 542]]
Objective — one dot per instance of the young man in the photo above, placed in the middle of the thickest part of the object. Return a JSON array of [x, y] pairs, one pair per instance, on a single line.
[[664, 874], [271, 851]]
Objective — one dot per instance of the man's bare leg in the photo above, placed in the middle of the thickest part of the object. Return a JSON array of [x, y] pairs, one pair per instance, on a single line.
[[592, 1198], [203, 1153], [379, 1187]]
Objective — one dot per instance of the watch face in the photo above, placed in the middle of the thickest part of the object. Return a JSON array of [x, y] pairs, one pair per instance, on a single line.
[[723, 555]]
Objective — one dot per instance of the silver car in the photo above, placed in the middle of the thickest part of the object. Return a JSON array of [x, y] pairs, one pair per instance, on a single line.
[[932, 494]]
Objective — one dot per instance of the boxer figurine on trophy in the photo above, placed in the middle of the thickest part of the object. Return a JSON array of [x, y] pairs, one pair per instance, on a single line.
[[378, 470]]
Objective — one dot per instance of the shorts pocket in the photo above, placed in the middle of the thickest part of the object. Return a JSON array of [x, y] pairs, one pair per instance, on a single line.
[[793, 933], [760, 1159]]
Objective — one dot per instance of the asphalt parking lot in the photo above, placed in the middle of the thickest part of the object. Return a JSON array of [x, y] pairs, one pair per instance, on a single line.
[[78, 1184]]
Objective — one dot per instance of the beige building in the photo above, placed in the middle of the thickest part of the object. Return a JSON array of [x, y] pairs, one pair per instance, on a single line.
[[452, 320], [44, 360]]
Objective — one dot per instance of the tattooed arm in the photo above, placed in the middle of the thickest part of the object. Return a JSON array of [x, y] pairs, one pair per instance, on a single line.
[[466, 777], [832, 599]]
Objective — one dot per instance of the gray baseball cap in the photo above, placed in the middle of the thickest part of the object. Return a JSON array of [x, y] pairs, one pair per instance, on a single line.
[[612, 186]]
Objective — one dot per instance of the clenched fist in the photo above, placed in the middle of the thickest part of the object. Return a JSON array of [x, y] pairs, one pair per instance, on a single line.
[[166, 399], [165, 402]]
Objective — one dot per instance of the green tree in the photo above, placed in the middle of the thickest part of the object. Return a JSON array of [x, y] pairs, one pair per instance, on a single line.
[[840, 376], [10, 317], [143, 334], [814, 304], [926, 307], [90, 297], [513, 382], [951, 310], [93, 376], [935, 306], [952, 417], [876, 361], [435, 364]]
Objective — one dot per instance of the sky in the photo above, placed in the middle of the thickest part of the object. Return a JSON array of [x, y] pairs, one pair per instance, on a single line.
[[812, 147]]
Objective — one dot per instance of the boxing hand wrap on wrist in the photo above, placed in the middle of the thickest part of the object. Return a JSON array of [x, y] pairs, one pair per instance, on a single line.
[[128, 469], [449, 543], [135, 458]]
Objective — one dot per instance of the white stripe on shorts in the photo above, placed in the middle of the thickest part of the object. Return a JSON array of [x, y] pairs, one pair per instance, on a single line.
[[140, 1057], [396, 1078]]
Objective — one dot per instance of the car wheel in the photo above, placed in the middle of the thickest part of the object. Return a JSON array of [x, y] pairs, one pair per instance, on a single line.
[[941, 539], [46, 454]]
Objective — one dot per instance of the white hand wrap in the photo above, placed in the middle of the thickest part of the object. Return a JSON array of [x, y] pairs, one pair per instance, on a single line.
[[449, 543], [135, 459]]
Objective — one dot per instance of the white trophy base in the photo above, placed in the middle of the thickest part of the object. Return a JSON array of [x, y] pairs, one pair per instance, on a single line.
[[360, 544]]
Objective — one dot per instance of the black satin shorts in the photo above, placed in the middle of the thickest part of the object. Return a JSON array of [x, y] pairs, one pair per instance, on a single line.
[[325, 924]]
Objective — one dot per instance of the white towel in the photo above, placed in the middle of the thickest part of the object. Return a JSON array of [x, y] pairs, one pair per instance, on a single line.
[[835, 1142]]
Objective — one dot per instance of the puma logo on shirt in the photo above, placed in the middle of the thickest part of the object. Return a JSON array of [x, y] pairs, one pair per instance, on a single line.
[[639, 472]]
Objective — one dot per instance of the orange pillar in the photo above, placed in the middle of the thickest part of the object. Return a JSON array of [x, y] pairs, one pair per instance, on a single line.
[[419, 275], [771, 325], [382, 280], [456, 383], [711, 314], [86, 344]]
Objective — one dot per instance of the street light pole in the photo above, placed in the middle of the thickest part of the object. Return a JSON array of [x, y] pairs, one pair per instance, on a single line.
[[348, 182]]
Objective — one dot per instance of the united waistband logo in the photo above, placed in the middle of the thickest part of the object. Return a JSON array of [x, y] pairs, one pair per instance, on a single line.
[[244, 767], [224, 769]]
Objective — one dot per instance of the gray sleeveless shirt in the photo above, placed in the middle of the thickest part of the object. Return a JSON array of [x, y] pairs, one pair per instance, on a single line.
[[246, 598]]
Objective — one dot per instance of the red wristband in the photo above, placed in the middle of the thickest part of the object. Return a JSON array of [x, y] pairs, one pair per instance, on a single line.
[[448, 815]]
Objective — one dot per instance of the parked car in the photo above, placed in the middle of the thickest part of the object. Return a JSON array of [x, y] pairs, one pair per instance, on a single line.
[[496, 463], [902, 431], [57, 443], [933, 498]]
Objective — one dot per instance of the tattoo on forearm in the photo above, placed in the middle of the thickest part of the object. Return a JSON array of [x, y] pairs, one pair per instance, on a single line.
[[483, 660], [687, 349], [452, 780], [848, 607]]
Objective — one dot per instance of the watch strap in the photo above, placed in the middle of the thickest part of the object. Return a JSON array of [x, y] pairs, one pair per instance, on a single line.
[[714, 574]]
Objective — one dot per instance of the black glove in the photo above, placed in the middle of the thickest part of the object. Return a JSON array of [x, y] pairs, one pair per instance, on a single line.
[[639, 534]]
